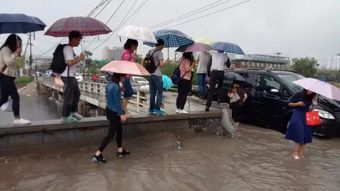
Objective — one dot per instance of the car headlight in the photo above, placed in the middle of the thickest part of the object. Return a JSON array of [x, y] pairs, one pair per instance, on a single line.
[[325, 114]]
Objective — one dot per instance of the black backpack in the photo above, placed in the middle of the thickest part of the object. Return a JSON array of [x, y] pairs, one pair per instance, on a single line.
[[176, 75], [149, 62], [58, 64]]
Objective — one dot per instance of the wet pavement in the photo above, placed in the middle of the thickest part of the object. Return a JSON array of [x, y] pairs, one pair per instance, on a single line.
[[258, 160]]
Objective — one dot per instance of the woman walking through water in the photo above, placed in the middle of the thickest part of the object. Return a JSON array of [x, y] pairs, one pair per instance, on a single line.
[[298, 131], [129, 54], [9, 53], [115, 114]]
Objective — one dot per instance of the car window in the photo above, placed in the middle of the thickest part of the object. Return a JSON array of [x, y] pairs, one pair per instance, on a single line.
[[266, 83]]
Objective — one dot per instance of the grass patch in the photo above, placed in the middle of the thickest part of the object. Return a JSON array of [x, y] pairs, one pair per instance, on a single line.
[[23, 81]]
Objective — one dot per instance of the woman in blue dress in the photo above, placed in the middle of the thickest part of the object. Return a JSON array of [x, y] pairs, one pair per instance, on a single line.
[[298, 131]]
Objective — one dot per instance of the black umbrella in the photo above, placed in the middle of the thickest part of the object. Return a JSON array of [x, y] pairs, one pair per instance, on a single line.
[[20, 23]]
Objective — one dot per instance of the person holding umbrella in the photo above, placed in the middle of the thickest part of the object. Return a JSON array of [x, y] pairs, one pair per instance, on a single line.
[[298, 131], [186, 64], [237, 96], [115, 114], [9, 52], [130, 47], [71, 88]]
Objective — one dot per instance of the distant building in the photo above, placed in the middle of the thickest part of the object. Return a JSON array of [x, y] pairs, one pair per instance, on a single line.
[[333, 63], [112, 54], [261, 61]]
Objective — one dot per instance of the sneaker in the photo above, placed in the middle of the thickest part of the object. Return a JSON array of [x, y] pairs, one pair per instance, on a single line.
[[177, 110], [158, 112], [207, 109], [182, 111], [99, 158], [150, 111], [123, 153], [21, 122], [69, 119], [77, 116]]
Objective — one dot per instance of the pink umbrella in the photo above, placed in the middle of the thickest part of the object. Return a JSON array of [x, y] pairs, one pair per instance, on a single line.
[[125, 67], [319, 87], [87, 26], [195, 47]]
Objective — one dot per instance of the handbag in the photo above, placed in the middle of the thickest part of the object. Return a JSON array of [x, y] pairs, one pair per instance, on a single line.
[[7, 107], [58, 82], [312, 118]]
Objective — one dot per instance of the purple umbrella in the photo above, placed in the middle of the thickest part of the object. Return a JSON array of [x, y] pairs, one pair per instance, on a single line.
[[195, 47], [319, 87]]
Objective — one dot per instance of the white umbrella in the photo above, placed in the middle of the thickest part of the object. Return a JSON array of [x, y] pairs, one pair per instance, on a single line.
[[319, 87], [138, 33]]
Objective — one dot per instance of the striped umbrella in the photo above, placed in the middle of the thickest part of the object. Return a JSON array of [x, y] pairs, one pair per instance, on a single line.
[[172, 38], [87, 26]]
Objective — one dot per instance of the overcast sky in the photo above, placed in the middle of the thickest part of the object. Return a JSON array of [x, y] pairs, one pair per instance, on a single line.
[[296, 28]]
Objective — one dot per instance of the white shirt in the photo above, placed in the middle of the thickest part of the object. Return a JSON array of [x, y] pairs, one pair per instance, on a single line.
[[69, 55], [218, 61], [203, 62]]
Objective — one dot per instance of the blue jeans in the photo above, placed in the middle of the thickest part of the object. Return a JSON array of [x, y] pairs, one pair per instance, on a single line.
[[201, 84], [128, 91], [156, 92]]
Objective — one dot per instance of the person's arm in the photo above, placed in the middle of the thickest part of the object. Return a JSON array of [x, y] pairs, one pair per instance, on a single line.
[[230, 94], [9, 57], [70, 60], [245, 97]]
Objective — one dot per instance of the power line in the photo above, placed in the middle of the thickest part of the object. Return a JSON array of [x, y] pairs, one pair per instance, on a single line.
[[102, 9], [124, 20], [215, 12], [191, 13]]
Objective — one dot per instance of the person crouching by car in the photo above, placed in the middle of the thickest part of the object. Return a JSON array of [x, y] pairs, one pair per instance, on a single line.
[[237, 97]]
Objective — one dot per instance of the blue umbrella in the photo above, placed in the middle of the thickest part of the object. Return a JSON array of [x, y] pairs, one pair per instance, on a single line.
[[20, 23], [227, 47], [172, 38]]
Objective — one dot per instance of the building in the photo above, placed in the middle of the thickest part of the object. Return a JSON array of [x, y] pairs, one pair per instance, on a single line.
[[333, 63], [261, 61], [112, 54]]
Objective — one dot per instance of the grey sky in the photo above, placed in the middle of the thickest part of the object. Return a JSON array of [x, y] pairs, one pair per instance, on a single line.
[[297, 28]]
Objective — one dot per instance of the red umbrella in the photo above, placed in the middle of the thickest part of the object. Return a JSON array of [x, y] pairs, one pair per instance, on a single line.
[[125, 67], [87, 26]]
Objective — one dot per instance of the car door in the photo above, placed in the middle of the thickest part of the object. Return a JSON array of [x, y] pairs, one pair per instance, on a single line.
[[271, 99]]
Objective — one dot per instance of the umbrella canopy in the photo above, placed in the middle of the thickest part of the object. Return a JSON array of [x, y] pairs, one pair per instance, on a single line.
[[20, 23], [319, 87], [204, 40], [125, 67], [167, 82], [227, 47], [172, 38], [234, 76], [195, 47], [138, 33], [87, 26]]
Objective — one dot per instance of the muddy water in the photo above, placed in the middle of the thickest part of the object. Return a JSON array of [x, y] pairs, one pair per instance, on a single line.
[[258, 160]]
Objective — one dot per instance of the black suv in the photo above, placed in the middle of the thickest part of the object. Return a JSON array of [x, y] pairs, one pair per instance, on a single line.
[[269, 92]]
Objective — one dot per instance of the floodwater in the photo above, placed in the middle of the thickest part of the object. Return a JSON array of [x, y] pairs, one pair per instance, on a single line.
[[259, 159], [33, 107]]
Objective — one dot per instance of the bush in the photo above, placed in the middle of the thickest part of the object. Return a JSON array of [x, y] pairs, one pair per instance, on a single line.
[[169, 69], [23, 81]]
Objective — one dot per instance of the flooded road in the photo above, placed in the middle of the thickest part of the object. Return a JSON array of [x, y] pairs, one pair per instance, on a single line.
[[258, 160], [33, 107]]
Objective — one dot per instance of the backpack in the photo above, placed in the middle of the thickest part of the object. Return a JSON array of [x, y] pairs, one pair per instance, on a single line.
[[149, 62], [58, 64], [176, 75]]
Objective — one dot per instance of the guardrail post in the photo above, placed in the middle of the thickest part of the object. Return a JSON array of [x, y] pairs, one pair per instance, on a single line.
[[138, 99]]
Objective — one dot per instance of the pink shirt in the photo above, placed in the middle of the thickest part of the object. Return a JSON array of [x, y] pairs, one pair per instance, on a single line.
[[128, 55], [185, 69]]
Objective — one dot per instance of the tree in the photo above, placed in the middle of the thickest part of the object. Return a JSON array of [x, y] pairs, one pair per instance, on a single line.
[[305, 66]]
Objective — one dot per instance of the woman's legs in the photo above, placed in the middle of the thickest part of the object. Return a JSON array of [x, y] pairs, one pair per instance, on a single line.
[[296, 151], [302, 150], [8, 88], [108, 138]]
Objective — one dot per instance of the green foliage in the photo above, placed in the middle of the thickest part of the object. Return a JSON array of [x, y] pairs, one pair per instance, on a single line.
[[305, 66], [23, 80], [329, 75], [169, 69]]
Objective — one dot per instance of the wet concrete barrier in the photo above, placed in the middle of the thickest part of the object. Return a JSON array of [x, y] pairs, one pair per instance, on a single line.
[[55, 132]]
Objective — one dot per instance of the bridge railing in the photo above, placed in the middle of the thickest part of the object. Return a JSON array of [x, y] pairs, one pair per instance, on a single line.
[[96, 91]]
